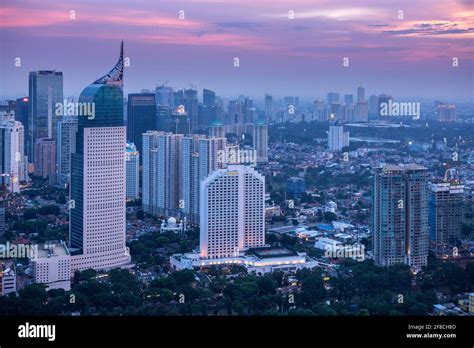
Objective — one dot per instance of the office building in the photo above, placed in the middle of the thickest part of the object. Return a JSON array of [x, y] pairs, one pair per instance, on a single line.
[[132, 171], [260, 141], [445, 214], [22, 109], [65, 145], [373, 106], [295, 187], [12, 154], [337, 138], [45, 91], [268, 107], [45, 159], [400, 215], [97, 221], [52, 266], [141, 116], [360, 94]]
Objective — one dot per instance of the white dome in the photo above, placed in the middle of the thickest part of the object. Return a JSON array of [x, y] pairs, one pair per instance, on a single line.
[[171, 221]]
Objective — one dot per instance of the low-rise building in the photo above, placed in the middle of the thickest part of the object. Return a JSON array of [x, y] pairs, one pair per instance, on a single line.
[[52, 266]]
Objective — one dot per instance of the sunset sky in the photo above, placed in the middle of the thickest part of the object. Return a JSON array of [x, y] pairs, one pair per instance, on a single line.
[[409, 57]]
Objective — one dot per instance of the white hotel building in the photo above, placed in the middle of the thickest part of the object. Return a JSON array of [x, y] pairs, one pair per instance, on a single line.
[[232, 228]]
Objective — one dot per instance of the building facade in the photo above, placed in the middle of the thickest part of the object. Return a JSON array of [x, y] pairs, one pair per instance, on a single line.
[[232, 212], [400, 215], [97, 221]]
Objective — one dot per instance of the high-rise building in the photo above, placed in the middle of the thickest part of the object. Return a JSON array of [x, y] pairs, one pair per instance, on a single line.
[[360, 94], [337, 138], [45, 159], [164, 96], [349, 99], [3, 226], [208, 97], [232, 217], [191, 107], [12, 154], [97, 221], [361, 112], [373, 106], [260, 141], [22, 109], [45, 90], [446, 112], [445, 210], [382, 99], [132, 171], [141, 116], [65, 146], [161, 172], [332, 97], [400, 215], [268, 107], [320, 111], [208, 109], [200, 156]]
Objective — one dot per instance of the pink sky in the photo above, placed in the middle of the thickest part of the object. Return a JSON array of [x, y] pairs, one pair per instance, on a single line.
[[409, 56]]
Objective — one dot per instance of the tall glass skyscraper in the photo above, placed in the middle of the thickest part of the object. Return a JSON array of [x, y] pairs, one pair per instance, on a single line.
[[141, 117], [97, 231], [45, 90]]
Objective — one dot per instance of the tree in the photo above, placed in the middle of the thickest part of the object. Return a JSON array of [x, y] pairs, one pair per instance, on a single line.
[[29, 214], [329, 216], [140, 214]]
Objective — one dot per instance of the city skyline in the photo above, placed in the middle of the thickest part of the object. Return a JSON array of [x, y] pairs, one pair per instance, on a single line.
[[410, 56]]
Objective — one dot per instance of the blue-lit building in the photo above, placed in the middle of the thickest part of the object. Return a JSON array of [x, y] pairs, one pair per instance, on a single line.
[[295, 187]]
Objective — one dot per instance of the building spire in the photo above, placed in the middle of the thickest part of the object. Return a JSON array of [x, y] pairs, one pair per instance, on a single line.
[[115, 76]]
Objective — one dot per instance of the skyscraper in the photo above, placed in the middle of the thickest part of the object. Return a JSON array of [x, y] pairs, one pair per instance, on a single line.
[[383, 98], [400, 215], [45, 159], [65, 146], [373, 106], [132, 171], [349, 99], [361, 112], [360, 94], [161, 172], [45, 90], [446, 112], [97, 222], [22, 107], [445, 210], [337, 138], [12, 154], [260, 141], [208, 109], [141, 117], [232, 212], [268, 107], [200, 156]]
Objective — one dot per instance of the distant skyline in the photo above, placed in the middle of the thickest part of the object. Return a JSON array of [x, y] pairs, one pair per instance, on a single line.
[[303, 56]]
